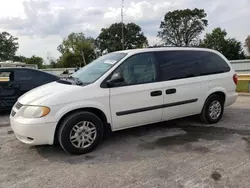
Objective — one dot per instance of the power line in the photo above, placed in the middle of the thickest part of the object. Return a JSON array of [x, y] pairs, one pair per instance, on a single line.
[[122, 24]]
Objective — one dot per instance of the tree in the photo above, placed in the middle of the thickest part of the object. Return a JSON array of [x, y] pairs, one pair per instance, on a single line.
[[30, 60], [35, 60], [247, 43], [8, 46], [229, 47], [110, 38], [19, 58], [52, 63], [182, 27], [69, 59], [76, 50]]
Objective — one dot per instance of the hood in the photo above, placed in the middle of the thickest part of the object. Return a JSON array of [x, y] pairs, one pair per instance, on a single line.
[[39, 94]]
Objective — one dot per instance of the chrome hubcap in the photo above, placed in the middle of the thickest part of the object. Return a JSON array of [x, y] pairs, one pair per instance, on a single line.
[[215, 109], [83, 134]]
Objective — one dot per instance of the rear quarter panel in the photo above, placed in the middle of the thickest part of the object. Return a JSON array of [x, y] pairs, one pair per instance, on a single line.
[[222, 82]]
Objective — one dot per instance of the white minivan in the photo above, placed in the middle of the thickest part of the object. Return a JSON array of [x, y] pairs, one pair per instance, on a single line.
[[125, 89]]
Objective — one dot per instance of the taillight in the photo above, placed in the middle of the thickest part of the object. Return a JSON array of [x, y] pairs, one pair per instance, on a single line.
[[235, 78]]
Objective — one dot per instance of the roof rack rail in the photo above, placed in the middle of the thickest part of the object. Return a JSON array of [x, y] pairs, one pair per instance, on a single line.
[[158, 46], [162, 46]]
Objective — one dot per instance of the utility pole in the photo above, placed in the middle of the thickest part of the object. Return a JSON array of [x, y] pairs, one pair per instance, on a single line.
[[83, 58], [122, 25]]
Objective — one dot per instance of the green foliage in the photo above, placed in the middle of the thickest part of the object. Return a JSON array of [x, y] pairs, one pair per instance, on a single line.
[[183, 27], [69, 60], [229, 47], [76, 50], [19, 58], [53, 64], [8, 46], [30, 60], [110, 38], [35, 60]]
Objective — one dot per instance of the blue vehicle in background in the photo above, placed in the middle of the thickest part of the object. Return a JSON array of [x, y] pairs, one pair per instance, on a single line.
[[15, 81]]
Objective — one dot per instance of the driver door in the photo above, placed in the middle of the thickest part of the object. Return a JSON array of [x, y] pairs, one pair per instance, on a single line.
[[139, 99]]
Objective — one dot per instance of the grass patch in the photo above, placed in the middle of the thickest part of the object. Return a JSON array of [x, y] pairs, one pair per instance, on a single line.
[[242, 86]]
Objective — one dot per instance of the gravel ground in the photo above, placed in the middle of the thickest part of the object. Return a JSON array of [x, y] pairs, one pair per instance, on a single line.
[[178, 154]]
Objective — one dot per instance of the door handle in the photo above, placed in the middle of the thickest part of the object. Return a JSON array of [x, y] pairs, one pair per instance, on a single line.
[[156, 93], [170, 91]]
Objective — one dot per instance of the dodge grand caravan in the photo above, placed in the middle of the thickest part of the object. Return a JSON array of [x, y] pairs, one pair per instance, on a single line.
[[125, 89]]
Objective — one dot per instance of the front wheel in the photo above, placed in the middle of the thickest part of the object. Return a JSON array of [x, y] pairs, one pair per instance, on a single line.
[[80, 133], [213, 109]]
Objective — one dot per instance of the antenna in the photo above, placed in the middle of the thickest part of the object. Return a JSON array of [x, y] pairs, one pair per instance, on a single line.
[[122, 24]]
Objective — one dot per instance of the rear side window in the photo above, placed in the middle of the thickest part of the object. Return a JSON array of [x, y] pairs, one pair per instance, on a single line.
[[186, 64], [5, 76], [211, 63], [177, 65]]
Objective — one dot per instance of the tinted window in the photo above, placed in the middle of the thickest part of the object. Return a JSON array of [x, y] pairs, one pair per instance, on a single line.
[[186, 64], [139, 69], [43, 76], [211, 63], [24, 75], [5, 76], [177, 65]]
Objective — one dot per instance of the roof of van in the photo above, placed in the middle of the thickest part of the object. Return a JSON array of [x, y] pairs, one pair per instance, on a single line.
[[152, 49]]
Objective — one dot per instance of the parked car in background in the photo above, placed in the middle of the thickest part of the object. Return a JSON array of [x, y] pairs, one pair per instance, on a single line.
[[15, 81], [125, 89]]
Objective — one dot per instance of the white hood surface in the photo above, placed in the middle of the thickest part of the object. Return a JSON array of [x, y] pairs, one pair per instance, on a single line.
[[37, 95]]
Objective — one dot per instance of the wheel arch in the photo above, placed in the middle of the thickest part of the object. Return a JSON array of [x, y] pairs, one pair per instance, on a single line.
[[218, 91], [99, 113]]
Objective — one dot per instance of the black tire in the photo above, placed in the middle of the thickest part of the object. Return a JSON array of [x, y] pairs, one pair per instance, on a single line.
[[204, 116], [68, 124]]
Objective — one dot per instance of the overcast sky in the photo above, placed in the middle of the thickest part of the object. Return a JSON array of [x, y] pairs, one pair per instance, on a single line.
[[41, 25]]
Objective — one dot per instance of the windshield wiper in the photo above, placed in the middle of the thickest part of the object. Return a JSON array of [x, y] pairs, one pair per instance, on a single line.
[[77, 80]]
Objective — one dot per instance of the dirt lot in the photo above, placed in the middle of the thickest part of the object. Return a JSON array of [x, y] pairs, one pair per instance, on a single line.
[[177, 154]]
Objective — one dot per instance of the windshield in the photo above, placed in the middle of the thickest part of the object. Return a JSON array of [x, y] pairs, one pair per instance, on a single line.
[[94, 70]]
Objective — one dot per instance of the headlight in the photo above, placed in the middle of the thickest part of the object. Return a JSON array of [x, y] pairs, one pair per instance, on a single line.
[[35, 111]]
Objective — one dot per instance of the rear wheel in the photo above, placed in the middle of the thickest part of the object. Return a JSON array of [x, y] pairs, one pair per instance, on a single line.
[[80, 133], [213, 109]]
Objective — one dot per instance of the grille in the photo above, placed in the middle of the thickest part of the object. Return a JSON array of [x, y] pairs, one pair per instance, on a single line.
[[18, 105], [13, 113]]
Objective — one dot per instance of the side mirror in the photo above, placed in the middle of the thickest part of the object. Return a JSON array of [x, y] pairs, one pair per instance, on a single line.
[[116, 78]]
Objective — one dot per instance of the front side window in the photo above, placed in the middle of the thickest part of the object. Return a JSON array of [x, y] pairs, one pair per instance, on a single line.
[[138, 69], [94, 70]]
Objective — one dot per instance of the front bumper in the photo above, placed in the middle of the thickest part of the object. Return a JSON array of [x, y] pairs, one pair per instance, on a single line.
[[34, 134], [36, 131]]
